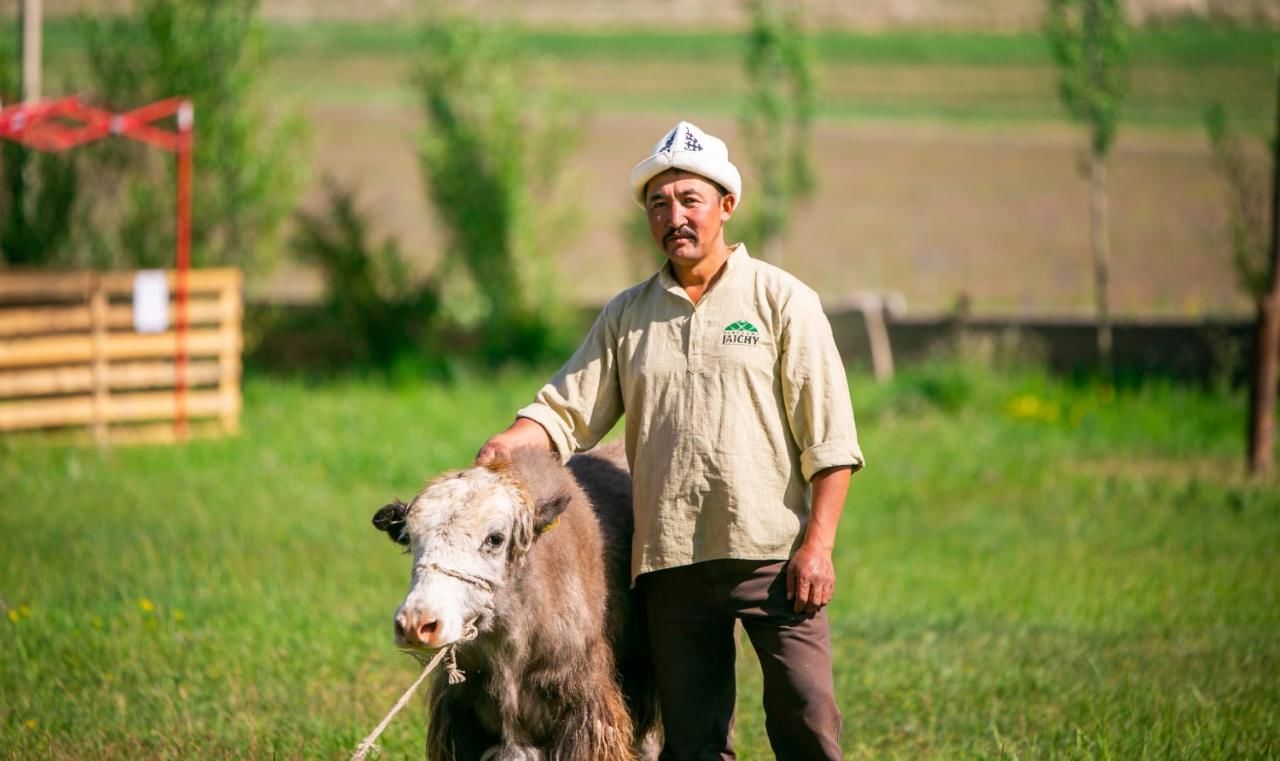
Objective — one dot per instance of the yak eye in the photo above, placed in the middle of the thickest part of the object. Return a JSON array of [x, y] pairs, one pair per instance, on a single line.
[[494, 540]]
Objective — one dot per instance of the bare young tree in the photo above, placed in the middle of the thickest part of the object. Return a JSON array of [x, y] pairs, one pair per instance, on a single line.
[[1255, 248], [1087, 39], [777, 118]]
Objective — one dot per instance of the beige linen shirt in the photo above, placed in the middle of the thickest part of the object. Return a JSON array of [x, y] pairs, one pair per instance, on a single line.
[[731, 404]]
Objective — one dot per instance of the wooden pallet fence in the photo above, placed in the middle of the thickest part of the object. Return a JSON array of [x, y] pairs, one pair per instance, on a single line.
[[70, 357]]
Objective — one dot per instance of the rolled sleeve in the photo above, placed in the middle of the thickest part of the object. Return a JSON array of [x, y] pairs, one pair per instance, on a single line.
[[816, 390], [582, 402], [830, 454]]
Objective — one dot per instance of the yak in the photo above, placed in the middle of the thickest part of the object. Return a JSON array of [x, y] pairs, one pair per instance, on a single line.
[[523, 566]]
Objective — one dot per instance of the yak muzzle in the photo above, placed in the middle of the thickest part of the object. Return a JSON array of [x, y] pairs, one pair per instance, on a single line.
[[418, 630]]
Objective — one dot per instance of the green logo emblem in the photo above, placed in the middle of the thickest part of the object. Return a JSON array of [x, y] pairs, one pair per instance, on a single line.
[[741, 332]]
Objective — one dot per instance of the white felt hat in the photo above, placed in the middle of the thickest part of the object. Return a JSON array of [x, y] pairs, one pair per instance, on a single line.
[[689, 148]]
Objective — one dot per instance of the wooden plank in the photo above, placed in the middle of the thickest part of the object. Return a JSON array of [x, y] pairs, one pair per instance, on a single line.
[[36, 320], [98, 340], [198, 280], [43, 319], [78, 410], [199, 312], [53, 350], [49, 350], [229, 360], [159, 405], [46, 413], [68, 379], [125, 375], [73, 379], [30, 285]]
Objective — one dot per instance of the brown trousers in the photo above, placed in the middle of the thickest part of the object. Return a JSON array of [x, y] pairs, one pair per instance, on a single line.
[[691, 613]]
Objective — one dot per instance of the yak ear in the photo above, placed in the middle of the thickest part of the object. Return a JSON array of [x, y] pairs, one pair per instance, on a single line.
[[391, 519], [547, 512]]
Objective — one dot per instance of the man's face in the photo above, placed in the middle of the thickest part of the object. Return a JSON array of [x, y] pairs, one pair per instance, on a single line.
[[686, 214]]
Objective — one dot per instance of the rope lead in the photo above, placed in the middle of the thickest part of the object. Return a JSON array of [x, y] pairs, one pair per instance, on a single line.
[[456, 676], [366, 745]]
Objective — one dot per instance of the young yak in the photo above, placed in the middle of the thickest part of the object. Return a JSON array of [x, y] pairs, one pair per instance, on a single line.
[[531, 559]]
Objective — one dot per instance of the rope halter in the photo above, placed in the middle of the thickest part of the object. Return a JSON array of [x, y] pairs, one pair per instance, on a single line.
[[470, 630]]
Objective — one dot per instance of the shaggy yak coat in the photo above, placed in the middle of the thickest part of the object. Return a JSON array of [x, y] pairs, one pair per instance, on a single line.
[[563, 664]]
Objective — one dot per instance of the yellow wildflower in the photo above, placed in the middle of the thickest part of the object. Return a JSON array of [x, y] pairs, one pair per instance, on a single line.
[[25, 610], [146, 605], [178, 616], [1029, 407], [32, 723], [14, 616]]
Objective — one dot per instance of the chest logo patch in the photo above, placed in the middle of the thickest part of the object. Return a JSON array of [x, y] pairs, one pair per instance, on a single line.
[[741, 332]]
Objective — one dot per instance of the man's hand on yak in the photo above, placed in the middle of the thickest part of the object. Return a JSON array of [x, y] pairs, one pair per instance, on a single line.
[[522, 433]]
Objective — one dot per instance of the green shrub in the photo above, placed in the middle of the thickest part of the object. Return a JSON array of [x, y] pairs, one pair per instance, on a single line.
[[372, 299]]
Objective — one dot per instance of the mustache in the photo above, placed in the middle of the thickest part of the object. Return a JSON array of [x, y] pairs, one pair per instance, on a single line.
[[684, 231]]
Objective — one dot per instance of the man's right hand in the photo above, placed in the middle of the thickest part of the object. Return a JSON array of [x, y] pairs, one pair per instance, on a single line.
[[522, 433]]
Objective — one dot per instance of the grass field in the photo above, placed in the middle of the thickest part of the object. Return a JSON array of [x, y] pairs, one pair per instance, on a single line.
[[1028, 569]]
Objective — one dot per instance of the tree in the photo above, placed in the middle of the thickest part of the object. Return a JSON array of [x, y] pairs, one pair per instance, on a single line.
[[38, 191], [492, 152], [777, 118], [1088, 41], [1255, 247], [248, 170]]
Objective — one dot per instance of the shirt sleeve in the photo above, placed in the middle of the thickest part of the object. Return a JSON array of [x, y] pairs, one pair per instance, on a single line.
[[815, 389], [583, 401]]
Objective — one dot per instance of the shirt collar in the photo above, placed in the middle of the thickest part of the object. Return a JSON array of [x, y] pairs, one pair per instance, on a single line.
[[737, 256]]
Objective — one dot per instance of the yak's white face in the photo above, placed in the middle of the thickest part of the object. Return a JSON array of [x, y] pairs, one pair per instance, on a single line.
[[461, 530]]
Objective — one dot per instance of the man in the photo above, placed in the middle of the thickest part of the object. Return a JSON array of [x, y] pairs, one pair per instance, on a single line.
[[741, 439]]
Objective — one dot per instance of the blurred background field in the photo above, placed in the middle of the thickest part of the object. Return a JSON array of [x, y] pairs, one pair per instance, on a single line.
[[945, 154], [1028, 569], [944, 157]]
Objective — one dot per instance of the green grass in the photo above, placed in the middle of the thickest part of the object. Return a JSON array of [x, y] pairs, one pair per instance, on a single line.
[[1027, 569]]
